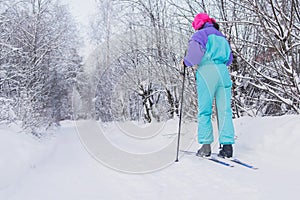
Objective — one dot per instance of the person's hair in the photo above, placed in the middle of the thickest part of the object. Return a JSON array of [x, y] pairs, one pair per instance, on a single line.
[[216, 26]]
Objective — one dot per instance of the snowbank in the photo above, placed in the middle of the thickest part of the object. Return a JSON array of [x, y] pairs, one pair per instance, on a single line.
[[19, 153]]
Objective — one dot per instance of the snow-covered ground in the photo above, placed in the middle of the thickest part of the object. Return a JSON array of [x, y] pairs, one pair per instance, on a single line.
[[60, 167]]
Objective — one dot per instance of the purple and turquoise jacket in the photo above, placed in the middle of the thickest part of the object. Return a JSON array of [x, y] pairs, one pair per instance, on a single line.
[[208, 46]]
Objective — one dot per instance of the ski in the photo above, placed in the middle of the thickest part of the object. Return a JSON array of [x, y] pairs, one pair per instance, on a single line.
[[211, 158], [188, 152], [239, 162], [215, 158]]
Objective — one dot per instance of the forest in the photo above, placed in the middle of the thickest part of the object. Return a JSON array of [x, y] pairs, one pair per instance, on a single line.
[[134, 73]]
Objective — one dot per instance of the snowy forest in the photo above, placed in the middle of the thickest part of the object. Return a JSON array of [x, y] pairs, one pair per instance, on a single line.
[[134, 73], [39, 63]]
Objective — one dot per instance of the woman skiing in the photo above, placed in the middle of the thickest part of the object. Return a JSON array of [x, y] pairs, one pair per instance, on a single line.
[[209, 49]]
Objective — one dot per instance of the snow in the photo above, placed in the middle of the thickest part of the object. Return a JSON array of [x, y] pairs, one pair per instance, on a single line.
[[61, 168]]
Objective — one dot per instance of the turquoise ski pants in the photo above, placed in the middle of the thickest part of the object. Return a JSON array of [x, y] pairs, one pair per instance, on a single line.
[[213, 82]]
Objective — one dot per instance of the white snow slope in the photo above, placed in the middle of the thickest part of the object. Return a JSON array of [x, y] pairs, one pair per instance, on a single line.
[[60, 168]]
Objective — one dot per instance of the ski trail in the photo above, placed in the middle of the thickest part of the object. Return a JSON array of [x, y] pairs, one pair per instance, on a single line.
[[68, 171]]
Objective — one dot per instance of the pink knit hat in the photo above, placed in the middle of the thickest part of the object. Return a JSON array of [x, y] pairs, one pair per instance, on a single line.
[[201, 19]]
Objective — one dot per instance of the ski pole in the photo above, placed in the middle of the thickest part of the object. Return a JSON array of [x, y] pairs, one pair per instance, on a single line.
[[180, 115]]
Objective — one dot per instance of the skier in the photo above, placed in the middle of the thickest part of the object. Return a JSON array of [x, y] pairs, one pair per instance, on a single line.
[[210, 51]]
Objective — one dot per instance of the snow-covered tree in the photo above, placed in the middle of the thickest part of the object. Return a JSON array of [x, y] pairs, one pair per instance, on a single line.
[[145, 40], [264, 36], [143, 52], [40, 63]]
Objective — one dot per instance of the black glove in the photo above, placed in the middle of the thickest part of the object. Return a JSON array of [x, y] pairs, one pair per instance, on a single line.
[[184, 65]]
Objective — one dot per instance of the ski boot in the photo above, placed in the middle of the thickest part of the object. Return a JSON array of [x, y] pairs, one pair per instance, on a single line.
[[226, 151], [204, 151]]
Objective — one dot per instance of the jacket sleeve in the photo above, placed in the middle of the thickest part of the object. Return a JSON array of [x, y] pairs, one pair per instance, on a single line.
[[194, 55]]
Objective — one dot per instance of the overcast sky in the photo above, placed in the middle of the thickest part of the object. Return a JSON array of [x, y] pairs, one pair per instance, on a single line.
[[82, 10]]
